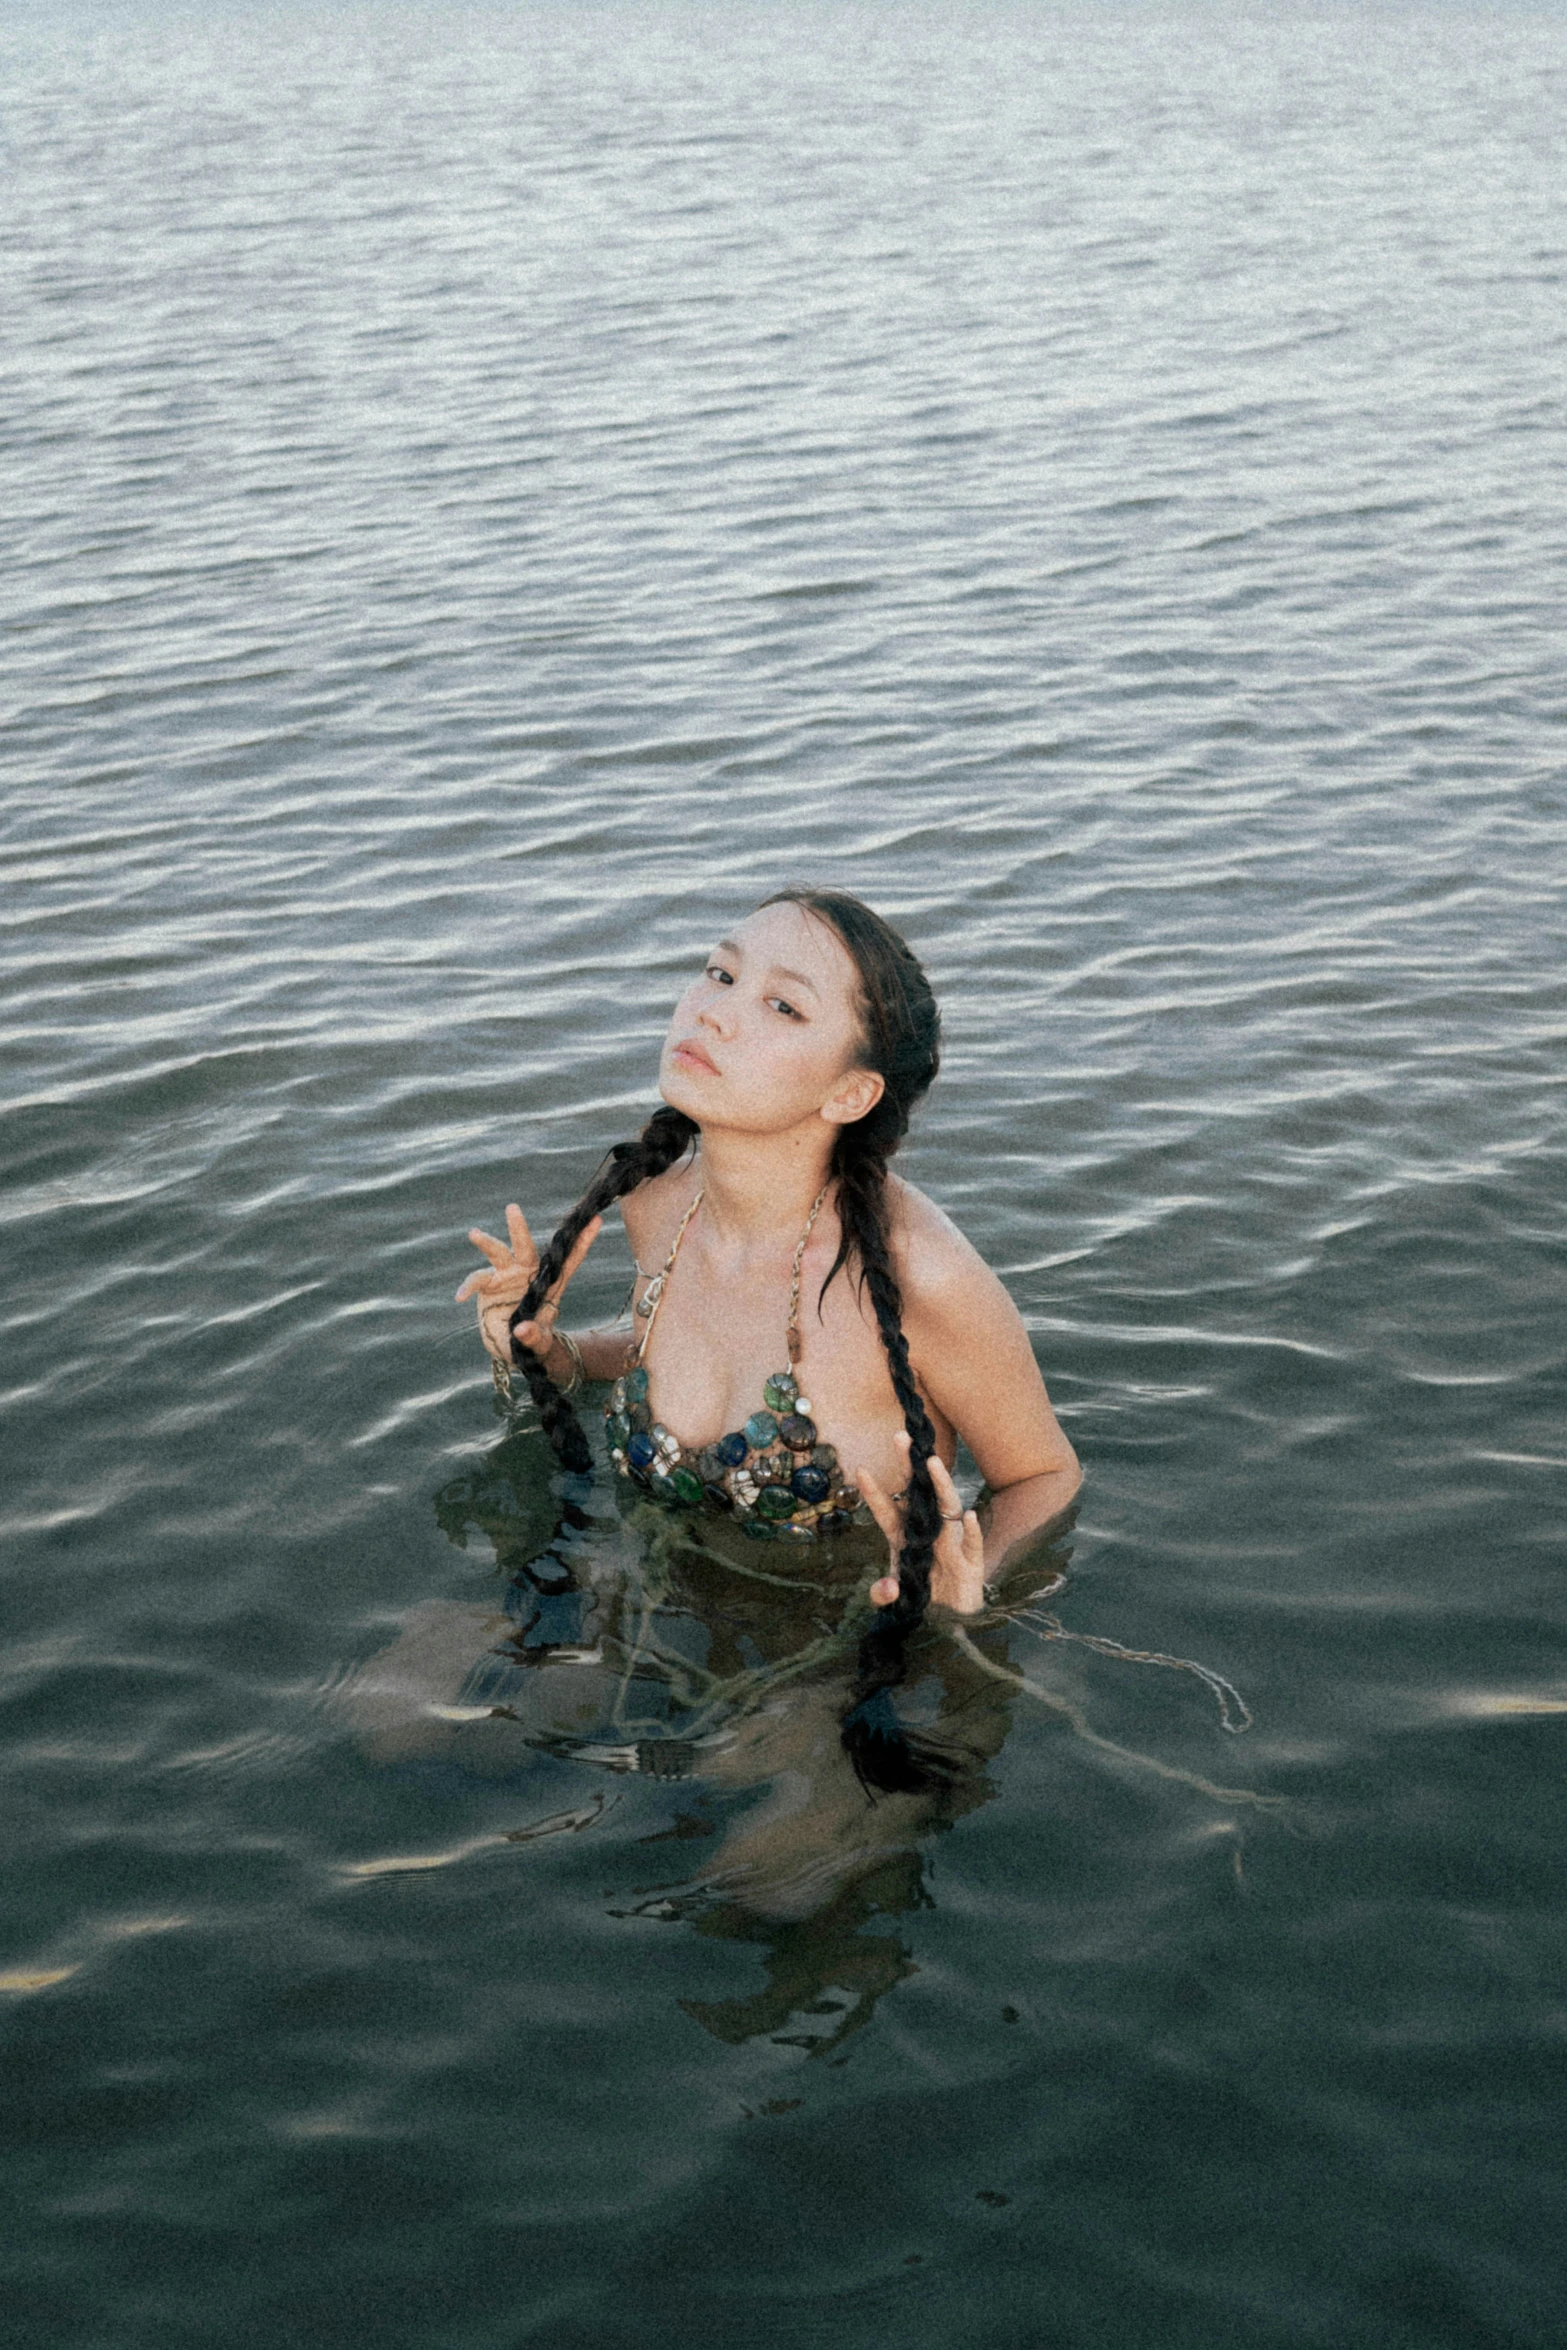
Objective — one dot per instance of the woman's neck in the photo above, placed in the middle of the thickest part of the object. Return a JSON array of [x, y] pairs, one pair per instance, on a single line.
[[758, 1188]]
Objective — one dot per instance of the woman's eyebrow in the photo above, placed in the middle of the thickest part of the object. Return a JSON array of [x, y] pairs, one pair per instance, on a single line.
[[729, 946]]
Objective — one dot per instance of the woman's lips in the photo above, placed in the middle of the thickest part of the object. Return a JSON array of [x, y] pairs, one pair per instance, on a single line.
[[694, 1056]]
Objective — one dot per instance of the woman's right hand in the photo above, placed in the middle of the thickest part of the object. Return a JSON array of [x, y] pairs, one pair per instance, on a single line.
[[511, 1272]]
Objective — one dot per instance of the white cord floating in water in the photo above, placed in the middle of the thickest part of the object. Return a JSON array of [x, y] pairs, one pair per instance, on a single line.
[[1074, 1714], [1234, 1713]]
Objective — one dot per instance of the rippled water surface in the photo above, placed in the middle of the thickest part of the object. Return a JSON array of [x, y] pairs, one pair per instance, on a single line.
[[489, 492]]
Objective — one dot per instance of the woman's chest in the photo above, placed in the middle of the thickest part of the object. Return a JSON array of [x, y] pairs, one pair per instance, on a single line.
[[716, 1357]]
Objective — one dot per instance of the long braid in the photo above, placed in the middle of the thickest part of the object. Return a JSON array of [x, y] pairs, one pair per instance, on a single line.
[[862, 1204], [901, 1041], [881, 1750], [666, 1137]]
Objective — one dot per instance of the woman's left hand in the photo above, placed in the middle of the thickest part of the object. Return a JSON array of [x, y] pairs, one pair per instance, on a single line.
[[957, 1574]]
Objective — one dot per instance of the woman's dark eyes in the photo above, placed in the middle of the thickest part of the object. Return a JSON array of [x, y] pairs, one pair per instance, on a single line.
[[718, 971]]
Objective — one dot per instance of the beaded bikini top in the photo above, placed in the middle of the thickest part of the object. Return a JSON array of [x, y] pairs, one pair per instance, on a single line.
[[774, 1475]]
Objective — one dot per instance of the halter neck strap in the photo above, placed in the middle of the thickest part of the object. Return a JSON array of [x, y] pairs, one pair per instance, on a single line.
[[653, 1297], [796, 1344]]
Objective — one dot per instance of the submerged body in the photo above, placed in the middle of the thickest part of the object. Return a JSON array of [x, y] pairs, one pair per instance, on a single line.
[[660, 1646]]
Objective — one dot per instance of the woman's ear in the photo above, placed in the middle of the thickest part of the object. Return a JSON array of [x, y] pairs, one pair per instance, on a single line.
[[854, 1098]]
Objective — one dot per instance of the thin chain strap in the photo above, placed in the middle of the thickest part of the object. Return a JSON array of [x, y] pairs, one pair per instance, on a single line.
[[796, 1343], [648, 1305]]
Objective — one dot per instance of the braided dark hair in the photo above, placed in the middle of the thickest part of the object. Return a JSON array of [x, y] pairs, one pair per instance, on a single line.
[[666, 1137], [900, 1039]]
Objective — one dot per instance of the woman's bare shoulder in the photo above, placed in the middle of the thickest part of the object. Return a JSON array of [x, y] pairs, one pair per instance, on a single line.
[[937, 1266], [970, 1349], [651, 1212]]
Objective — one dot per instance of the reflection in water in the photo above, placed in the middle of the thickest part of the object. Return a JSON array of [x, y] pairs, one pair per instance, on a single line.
[[824, 1973], [642, 1642]]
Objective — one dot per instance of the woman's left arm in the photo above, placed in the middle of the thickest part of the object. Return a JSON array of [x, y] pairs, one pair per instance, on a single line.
[[972, 1357]]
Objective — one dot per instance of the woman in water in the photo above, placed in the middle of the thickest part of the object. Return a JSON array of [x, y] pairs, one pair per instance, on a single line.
[[812, 1335]]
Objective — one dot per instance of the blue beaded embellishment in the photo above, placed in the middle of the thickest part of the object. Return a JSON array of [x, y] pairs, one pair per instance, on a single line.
[[774, 1475]]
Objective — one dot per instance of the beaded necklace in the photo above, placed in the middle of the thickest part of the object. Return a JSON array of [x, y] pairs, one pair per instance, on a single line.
[[774, 1475]]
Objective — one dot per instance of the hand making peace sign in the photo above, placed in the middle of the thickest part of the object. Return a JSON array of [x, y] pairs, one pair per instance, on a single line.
[[512, 1270]]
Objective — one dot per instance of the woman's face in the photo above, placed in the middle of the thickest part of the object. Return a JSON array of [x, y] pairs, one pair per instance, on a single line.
[[769, 1035]]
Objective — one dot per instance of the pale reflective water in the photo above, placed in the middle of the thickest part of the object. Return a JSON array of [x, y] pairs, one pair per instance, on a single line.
[[491, 492]]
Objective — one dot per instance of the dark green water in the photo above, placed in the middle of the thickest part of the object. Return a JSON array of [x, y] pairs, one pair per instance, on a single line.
[[491, 492]]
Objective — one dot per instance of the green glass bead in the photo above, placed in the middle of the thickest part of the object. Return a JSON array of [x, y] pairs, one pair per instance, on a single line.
[[617, 1428], [775, 1501], [636, 1385], [761, 1429], [686, 1483], [780, 1392]]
